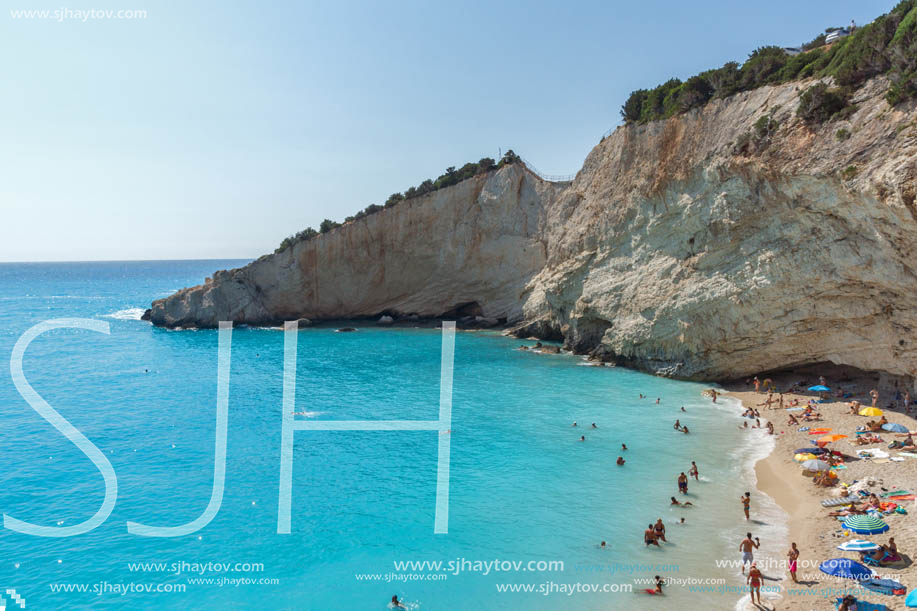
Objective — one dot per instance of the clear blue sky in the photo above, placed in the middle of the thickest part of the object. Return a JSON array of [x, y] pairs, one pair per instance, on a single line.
[[214, 129]]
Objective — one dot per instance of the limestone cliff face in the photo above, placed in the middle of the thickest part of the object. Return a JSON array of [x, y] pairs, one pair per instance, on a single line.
[[672, 250], [472, 247]]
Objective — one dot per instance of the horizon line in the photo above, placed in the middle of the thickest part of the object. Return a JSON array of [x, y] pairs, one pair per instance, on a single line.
[[130, 260]]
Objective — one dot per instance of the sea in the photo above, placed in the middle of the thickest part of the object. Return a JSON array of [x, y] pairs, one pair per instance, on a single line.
[[529, 503]]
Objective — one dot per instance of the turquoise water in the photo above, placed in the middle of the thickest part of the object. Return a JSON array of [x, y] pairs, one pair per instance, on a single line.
[[522, 487]]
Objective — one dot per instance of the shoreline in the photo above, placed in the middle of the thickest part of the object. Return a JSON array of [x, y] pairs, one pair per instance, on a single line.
[[779, 477]]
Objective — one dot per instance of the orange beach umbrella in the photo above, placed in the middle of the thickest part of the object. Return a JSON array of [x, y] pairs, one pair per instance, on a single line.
[[822, 441]]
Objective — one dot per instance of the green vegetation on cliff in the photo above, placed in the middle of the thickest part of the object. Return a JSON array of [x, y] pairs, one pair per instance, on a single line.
[[450, 177], [886, 46]]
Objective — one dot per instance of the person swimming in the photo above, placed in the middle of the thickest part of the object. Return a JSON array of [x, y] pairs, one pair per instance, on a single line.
[[683, 408], [621, 460], [624, 446], [684, 429], [574, 423], [594, 426], [675, 502], [582, 438], [397, 604], [602, 545]]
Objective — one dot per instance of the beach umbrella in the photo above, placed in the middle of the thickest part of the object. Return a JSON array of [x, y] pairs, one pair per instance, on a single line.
[[858, 545], [894, 427], [819, 388], [848, 569], [810, 451], [821, 441], [870, 411], [802, 457], [911, 600], [816, 465], [865, 524]]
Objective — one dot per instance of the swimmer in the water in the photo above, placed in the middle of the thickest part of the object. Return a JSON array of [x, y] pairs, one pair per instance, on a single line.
[[683, 408], [594, 426], [684, 429], [574, 423], [621, 460], [602, 545], [675, 502], [396, 604], [659, 583], [624, 446], [582, 438]]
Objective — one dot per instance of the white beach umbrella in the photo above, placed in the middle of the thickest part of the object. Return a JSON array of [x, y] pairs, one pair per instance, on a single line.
[[816, 465], [858, 545]]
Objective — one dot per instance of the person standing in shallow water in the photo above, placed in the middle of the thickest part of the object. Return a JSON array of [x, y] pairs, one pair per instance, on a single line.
[[683, 483], [693, 471], [746, 503]]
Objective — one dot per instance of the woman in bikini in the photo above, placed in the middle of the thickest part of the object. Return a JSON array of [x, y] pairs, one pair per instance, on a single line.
[[754, 580], [793, 556]]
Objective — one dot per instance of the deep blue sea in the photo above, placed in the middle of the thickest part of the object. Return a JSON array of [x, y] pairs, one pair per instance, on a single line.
[[522, 487]]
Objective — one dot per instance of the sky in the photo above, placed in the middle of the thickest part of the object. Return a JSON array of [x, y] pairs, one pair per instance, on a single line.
[[215, 129]]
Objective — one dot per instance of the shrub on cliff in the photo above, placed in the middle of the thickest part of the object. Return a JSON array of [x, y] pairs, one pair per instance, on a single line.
[[818, 104], [450, 177], [327, 225], [888, 46]]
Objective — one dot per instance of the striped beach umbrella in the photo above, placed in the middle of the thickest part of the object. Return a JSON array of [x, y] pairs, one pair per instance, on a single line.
[[865, 524], [858, 545], [870, 411], [816, 465]]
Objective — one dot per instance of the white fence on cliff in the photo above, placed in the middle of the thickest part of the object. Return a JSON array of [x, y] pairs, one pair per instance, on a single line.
[[547, 177]]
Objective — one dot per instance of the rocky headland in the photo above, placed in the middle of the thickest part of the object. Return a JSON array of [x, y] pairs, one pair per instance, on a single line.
[[695, 246]]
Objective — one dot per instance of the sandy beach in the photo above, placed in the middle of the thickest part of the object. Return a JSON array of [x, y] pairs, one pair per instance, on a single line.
[[817, 534]]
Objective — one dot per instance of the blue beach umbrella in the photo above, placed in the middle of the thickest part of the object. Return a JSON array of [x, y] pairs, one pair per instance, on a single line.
[[819, 388], [812, 450], [894, 427], [911, 600], [857, 545], [848, 569], [865, 524]]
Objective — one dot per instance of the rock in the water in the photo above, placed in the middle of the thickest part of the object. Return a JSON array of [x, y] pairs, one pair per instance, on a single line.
[[147, 314], [345, 330], [385, 320]]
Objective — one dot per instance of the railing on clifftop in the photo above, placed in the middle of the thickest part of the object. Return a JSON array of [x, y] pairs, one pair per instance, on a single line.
[[547, 177]]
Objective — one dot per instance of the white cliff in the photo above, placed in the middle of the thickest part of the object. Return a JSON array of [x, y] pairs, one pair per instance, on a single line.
[[671, 251]]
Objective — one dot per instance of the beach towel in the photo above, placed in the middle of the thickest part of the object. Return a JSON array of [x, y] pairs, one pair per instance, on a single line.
[[839, 502], [862, 605]]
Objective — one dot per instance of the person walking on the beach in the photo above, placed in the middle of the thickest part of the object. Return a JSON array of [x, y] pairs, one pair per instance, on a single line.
[[683, 483], [757, 384], [875, 396], [793, 556], [693, 470], [754, 580], [747, 547], [746, 503]]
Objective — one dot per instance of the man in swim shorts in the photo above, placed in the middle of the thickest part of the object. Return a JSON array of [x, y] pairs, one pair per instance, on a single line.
[[747, 546], [683, 483], [649, 536], [693, 470]]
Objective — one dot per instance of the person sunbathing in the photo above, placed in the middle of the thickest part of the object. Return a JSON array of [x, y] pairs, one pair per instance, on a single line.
[[874, 427], [792, 420]]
